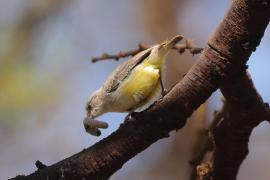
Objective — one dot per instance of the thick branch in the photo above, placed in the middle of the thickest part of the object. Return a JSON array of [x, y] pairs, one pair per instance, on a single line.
[[242, 111], [235, 35], [245, 110]]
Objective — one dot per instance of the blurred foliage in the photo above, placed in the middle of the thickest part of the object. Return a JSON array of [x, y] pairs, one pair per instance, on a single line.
[[20, 86], [20, 89]]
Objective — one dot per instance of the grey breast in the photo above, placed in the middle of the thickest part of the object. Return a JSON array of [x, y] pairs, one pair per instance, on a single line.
[[123, 70]]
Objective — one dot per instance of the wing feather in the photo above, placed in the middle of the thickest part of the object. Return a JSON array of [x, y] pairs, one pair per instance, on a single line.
[[123, 70]]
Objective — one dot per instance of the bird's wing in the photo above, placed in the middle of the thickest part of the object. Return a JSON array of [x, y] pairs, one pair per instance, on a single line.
[[122, 71]]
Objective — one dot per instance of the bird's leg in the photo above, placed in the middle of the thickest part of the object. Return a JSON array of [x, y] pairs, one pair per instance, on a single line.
[[130, 117], [163, 90]]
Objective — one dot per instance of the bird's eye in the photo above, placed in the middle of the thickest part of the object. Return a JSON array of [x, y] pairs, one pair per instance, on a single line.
[[88, 107]]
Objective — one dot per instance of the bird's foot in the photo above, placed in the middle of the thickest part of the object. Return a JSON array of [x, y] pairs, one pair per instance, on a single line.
[[164, 92], [130, 117]]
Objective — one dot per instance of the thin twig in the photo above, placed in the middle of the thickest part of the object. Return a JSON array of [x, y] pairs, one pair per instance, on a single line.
[[121, 54], [181, 48], [188, 45]]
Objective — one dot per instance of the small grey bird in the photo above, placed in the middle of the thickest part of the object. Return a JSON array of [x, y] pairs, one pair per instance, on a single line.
[[134, 85]]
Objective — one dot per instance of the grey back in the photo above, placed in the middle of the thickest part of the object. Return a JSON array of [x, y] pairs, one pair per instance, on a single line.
[[123, 71]]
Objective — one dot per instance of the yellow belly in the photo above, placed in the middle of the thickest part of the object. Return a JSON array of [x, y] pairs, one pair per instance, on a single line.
[[138, 87]]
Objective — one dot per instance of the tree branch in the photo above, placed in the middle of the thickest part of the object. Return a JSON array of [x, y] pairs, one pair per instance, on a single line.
[[203, 165], [241, 112], [181, 48], [246, 110], [121, 54], [229, 48]]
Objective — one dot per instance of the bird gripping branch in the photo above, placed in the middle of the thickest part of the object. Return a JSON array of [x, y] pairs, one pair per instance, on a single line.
[[134, 85]]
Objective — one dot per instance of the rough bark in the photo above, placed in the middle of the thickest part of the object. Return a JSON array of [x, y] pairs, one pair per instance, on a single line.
[[230, 130], [245, 110], [229, 49]]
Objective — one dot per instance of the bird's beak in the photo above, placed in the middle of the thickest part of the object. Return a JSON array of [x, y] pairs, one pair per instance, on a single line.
[[172, 42]]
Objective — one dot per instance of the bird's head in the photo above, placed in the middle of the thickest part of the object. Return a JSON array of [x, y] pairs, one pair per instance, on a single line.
[[95, 104], [162, 49], [94, 108]]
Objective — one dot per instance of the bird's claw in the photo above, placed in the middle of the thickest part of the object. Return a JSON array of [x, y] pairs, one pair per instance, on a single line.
[[164, 92]]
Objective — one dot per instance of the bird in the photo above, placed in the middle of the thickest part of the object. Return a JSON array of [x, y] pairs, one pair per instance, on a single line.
[[132, 86]]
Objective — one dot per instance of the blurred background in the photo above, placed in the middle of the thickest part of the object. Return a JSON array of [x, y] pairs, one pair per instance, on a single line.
[[46, 76]]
